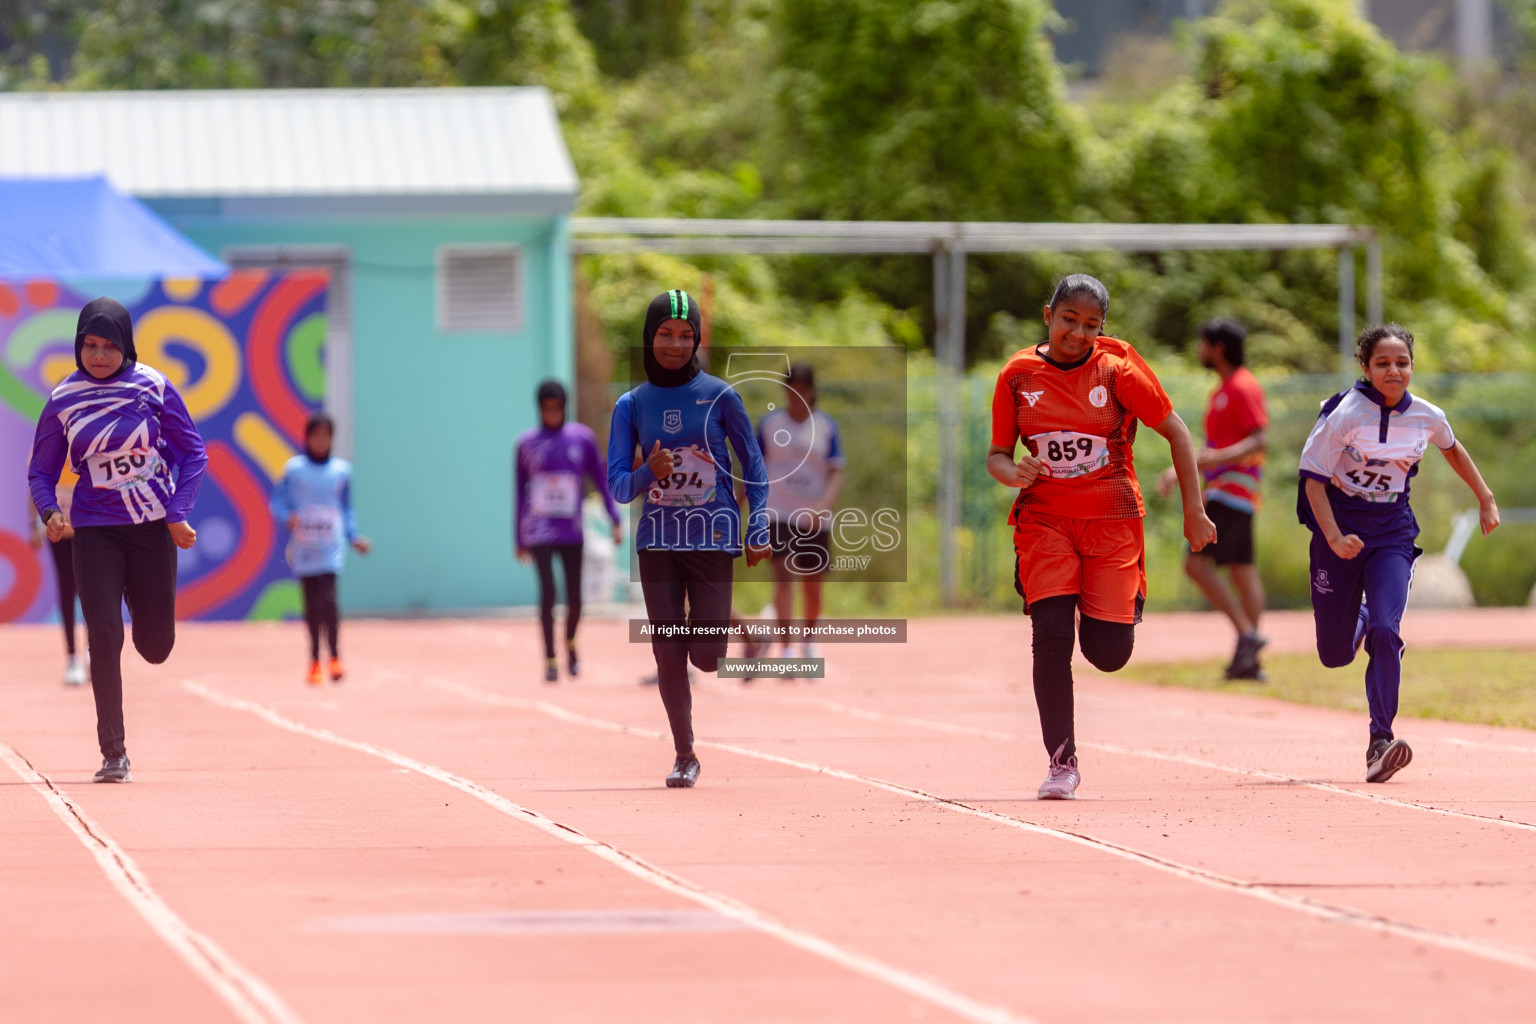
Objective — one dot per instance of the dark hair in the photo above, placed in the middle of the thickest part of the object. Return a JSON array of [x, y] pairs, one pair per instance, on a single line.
[[1077, 286], [317, 419], [801, 373], [1229, 335], [550, 389], [1365, 345]]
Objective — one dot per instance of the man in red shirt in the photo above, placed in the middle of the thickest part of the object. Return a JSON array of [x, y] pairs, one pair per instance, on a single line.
[[1231, 462]]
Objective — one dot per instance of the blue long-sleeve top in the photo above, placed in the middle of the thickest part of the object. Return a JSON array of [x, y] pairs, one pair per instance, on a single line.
[[549, 466], [319, 494], [685, 512], [132, 442]]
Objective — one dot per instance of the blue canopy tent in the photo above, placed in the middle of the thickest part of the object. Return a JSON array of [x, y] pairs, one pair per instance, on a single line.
[[85, 228]]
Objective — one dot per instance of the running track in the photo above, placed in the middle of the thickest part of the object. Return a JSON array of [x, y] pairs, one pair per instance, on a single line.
[[442, 838]]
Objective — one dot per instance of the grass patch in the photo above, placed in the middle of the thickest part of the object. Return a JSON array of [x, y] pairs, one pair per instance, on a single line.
[[1495, 686]]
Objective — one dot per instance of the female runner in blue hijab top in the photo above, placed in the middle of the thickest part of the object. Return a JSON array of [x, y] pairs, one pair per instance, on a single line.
[[684, 422]]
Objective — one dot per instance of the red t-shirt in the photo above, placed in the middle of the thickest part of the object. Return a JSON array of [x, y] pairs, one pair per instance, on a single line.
[[1236, 410], [1082, 423]]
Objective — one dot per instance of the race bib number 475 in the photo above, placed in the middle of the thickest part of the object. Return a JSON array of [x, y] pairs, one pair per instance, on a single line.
[[118, 471], [1067, 454], [691, 482]]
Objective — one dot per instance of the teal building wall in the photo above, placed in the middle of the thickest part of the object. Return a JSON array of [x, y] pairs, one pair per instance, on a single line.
[[435, 413]]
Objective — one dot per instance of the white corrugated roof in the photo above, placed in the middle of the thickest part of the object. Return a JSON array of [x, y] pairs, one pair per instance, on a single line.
[[293, 142]]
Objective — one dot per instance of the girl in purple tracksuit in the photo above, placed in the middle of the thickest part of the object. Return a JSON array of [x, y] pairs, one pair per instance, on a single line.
[[550, 462], [127, 434]]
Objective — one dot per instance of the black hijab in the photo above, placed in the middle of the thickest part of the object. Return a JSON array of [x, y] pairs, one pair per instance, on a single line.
[[673, 305], [550, 389], [106, 318], [318, 419]]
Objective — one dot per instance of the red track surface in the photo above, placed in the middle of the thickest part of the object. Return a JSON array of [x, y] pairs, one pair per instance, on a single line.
[[862, 848]]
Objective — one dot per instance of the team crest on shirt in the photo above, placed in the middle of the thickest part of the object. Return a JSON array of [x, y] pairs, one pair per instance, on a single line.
[[1098, 397], [1031, 397], [672, 421], [1418, 448]]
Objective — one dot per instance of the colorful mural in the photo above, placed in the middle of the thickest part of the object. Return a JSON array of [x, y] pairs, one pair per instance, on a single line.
[[247, 354]]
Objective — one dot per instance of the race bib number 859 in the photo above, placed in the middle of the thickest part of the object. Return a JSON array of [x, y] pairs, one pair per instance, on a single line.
[[1067, 454]]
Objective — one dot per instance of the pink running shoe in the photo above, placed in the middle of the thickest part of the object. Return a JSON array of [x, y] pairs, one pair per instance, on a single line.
[[1061, 782]]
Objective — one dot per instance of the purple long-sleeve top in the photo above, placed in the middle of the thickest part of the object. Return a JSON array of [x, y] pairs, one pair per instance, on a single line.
[[130, 439], [548, 469]]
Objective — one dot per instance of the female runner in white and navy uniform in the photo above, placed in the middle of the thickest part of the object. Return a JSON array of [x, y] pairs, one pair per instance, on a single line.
[[1355, 472]]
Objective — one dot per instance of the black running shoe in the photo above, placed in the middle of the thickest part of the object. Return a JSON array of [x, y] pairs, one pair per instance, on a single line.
[[1245, 660], [685, 772], [1385, 758], [572, 664], [551, 673], [114, 769]]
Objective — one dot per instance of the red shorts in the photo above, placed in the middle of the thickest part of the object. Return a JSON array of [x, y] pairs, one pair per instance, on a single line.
[[1102, 561]]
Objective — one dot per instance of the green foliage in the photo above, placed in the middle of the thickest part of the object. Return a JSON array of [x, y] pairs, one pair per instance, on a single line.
[[939, 110], [1299, 111], [629, 35], [232, 44]]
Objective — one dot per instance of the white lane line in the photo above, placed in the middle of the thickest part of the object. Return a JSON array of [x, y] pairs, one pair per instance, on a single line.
[[1513, 956], [252, 1000], [1326, 787], [1156, 755], [923, 988]]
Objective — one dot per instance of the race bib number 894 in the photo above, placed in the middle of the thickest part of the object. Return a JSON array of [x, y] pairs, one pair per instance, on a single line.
[[691, 482]]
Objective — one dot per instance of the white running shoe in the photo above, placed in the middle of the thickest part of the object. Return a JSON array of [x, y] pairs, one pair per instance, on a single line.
[[74, 672], [1062, 780]]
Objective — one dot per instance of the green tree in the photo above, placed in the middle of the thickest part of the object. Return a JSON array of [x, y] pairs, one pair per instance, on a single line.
[[923, 110], [232, 44]]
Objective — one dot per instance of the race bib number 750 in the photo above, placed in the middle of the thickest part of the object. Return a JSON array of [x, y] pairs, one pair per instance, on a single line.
[[1067, 454], [118, 471]]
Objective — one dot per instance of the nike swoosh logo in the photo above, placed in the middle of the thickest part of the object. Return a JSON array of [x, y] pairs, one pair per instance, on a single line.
[[703, 401]]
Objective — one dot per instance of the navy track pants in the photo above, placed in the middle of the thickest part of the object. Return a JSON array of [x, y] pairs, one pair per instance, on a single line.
[[1381, 576]]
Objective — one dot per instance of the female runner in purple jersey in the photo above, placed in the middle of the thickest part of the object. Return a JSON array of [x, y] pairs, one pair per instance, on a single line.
[[550, 462], [127, 434]]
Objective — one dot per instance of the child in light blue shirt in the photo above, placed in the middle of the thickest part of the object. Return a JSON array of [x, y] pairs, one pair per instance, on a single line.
[[313, 500]]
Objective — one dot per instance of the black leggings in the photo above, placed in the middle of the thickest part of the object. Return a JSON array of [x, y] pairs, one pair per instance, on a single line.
[[570, 558], [703, 580], [136, 563], [1106, 645], [321, 610], [64, 564]]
